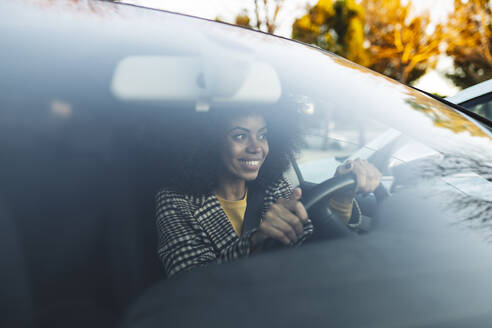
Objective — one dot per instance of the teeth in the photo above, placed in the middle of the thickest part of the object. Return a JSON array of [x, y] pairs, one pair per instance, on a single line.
[[251, 163]]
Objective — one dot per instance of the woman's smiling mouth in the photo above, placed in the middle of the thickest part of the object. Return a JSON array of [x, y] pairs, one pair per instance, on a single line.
[[252, 165]]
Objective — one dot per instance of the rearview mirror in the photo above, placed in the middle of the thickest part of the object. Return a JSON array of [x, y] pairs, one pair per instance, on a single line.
[[206, 81]]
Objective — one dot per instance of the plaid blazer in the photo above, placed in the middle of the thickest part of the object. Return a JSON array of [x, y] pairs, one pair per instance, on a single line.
[[194, 231]]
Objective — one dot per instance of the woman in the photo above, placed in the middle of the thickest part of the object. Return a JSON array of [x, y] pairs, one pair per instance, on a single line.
[[244, 154]]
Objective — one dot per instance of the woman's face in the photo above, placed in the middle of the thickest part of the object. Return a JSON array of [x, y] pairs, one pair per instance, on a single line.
[[245, 147]]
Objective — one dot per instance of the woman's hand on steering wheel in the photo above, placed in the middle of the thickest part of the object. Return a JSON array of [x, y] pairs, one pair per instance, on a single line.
[[366, 175], [284, 221]]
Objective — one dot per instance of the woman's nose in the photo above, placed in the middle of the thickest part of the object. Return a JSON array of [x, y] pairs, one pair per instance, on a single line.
[[254, 146]]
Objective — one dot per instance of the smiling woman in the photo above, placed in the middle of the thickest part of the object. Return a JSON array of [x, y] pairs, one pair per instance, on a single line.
[[244, 149], [227, 195], [201, 213]]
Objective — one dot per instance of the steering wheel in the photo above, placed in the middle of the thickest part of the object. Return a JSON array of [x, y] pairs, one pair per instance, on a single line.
[[327, 224], [315, 194]]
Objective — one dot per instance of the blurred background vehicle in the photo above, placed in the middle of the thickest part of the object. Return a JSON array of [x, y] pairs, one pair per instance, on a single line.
[[476, 98]]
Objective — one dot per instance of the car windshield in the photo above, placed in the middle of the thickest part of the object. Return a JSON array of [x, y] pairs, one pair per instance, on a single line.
[[97, 102]]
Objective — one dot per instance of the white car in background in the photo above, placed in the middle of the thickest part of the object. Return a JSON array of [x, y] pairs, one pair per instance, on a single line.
[[477, 98]]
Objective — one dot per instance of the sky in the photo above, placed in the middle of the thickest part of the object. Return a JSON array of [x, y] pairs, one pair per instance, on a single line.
[[433, 81]]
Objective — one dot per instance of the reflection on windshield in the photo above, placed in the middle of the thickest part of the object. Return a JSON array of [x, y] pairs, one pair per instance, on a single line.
[[79, 6], [461, 180], [475, 212], [444, 119], [440, 150], [464, 164]]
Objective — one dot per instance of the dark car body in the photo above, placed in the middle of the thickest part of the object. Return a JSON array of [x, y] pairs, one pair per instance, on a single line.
[[84, 149]]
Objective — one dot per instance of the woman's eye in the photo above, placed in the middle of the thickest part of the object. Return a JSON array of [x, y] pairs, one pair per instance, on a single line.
[[262, 136], [239, 137]]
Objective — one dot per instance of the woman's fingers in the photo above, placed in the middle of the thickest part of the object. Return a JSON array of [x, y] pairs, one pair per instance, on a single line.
[[290, 217], [283, 220], [274, 233], [367, 175], [345, 168], [294, 205], [296, 194], [360, 171], [295, 208]]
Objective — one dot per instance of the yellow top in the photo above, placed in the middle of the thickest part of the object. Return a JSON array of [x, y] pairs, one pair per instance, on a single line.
[[343, 209], [234, 209]]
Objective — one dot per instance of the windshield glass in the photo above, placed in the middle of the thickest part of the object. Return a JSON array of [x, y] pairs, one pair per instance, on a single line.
[[100, 100], [151, 83]]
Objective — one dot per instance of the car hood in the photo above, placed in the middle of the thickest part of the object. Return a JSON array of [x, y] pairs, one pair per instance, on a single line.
[[404, 273]]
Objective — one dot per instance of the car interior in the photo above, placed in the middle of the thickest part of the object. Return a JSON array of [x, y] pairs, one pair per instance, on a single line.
[[77, 208], [78, 218]]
